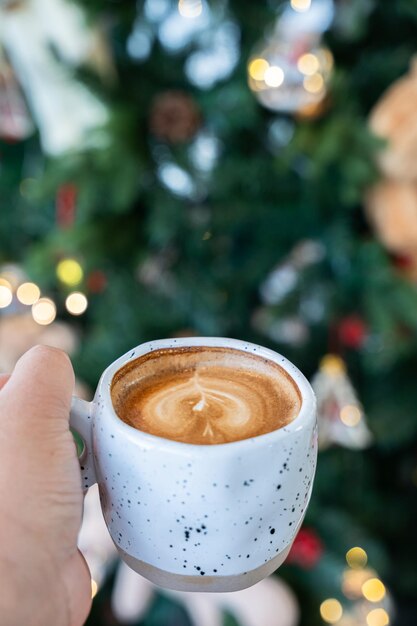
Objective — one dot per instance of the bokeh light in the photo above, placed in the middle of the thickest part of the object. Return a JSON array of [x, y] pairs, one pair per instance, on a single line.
[[69, 272], [350, 415], [377, 617], [44, 311], [190, 8], [373, 590], [28, 293], [257, 69], [356, 557], [6, 294], [274, 76], [308, 64], [76, 303], [331, 610], [301, 5], [94, 588], [314, 83]]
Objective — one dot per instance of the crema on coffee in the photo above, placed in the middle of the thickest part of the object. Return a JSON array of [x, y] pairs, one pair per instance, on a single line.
[[204, 395]]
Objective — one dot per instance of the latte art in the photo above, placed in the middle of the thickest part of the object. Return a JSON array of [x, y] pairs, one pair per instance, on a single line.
[[204, 395]]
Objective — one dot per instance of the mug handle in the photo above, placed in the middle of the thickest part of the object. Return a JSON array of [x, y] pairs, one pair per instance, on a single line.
[[81, 425]]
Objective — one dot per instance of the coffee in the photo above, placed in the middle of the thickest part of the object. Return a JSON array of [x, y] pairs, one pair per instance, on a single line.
[[204, 395]]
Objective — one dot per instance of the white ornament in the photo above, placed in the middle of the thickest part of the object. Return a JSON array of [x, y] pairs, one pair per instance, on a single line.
[[65, 111]]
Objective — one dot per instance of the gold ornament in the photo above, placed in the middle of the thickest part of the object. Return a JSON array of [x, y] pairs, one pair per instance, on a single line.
[[391, 207], [393, 118]]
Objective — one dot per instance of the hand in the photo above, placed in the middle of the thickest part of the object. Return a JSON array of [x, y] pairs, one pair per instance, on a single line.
[[45, 580]]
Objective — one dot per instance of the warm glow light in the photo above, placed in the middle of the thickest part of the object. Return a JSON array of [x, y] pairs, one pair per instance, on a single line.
[[6, 295], [274, 76], [301, 5], [331, 610], [314, 83], [76, 303], [94, 588], [190, 8], [377, 617], [257, 69], [333, 365], [353, 580], [356, 558], [28, 293], [308, 64], [350, 415], [70, 272], [44, 311], [373, 590]]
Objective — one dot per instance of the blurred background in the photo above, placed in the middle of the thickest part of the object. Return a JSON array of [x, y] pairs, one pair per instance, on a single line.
[[242, 169]]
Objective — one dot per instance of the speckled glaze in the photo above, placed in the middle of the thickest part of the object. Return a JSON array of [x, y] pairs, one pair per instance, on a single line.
[[199, 517]]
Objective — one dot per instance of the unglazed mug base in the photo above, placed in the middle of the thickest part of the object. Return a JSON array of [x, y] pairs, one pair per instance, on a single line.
[[179, 582]]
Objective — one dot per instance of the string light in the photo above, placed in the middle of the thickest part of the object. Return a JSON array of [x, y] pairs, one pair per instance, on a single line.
[[76, 303], [6, 295], [28, 293], [69, 272], [373, 590], [314, 83], [356, 558], [257, 69], [353, 580], [350, 415], [301, 5], [377, 617], [94, 588], [331, 610], [308, 64], [274, 76], [44, 311], [190, 8]]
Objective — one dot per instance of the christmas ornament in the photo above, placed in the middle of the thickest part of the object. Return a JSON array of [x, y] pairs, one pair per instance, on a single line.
[[393, 119], [15, 123], [306, 550], [96, 281], [391, 207], [352, 332], [268, 602], [66, 198], [175, 117], [290, 69], [340, 415], [35, 34]]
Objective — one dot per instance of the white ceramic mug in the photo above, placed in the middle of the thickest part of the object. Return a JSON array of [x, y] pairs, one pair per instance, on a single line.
[[199, 517]]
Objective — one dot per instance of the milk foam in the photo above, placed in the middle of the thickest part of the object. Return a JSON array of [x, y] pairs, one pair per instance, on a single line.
[[204, 395]]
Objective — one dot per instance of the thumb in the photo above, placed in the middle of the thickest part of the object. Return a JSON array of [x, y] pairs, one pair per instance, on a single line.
[[38, 393]]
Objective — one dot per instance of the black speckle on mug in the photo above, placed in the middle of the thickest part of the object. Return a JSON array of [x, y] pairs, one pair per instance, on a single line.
[[272, 531]]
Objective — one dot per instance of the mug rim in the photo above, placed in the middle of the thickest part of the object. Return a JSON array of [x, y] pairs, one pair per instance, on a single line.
[[305, 417]]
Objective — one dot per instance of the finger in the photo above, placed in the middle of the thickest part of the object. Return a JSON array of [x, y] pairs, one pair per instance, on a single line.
[[3, 380], [77, 579], [40, 386]]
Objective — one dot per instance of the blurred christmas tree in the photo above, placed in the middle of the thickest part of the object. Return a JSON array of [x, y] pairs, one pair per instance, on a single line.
[[212, 169]]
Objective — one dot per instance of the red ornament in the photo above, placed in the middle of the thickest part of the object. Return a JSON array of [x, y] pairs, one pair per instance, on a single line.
[[352, 331], [66, 205], [96, 281], [306, 550]]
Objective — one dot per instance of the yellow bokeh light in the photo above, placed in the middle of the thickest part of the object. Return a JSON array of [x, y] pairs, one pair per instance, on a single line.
[[331, 610], [308, 64], [44, 311], [190, 8], [274, 76], [356, 558], [6, 295], [94, 588], [301, 5], [350, 415], [76, 303], [377, 617], [257, 69], [70, 272], [373, 590], [314, 83], [28, 293], [333, 365]]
